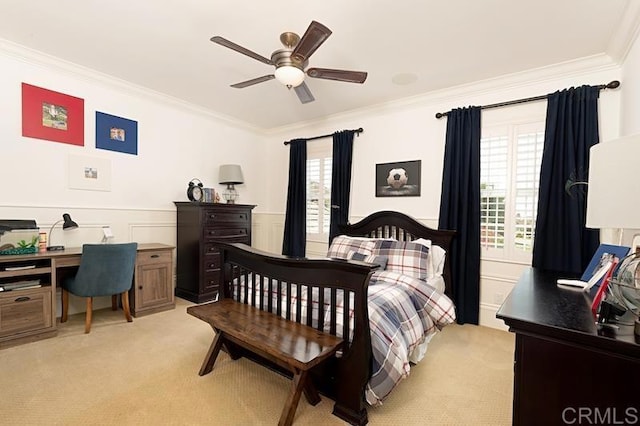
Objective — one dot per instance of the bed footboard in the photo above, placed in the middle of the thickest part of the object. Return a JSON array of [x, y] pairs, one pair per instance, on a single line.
[[326, 294]]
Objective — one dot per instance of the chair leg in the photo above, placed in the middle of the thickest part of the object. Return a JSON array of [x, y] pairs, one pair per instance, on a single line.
[[87, 321], [114, 302], [65, 305], [125, 306]]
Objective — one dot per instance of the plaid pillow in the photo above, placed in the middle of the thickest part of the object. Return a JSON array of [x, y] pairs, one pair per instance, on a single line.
[[343, 244], [405, 257], [376, 260]]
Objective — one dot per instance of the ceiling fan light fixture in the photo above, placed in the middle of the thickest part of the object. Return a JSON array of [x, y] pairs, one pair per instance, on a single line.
[[289, 75]]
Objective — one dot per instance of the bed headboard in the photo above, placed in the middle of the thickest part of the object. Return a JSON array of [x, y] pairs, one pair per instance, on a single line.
[[392, 224]]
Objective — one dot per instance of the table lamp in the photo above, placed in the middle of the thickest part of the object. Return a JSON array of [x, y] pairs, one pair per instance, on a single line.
[[230, 174], [68, 224], [612, 196], [613, 202]]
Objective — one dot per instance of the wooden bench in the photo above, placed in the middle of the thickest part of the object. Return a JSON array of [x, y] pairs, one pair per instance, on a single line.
[[293, 346]]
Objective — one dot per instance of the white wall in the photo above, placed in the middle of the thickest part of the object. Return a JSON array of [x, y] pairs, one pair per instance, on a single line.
[[176, 142], [408, 130]]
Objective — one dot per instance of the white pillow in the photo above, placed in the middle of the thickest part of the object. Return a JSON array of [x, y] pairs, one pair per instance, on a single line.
[[436, 257], [427, 244]]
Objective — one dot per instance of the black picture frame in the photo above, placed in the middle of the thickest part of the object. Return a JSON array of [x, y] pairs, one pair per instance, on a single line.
[[390, 184]]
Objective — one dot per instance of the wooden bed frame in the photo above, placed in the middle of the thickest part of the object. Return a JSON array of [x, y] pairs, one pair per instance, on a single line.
[[342, 378]]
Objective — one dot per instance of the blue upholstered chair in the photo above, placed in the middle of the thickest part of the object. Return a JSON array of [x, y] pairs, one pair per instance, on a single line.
[[105, 270]]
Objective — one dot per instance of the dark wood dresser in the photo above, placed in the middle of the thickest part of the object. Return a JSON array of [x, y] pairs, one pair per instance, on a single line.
[[567, 369], [199, 225]]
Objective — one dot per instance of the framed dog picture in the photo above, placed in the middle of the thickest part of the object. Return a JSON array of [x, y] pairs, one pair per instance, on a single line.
[[399, 179]]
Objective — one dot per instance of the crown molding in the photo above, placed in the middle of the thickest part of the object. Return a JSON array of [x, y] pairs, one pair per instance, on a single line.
[[626, 33], [452, 95], [40, 59], [462, 93]]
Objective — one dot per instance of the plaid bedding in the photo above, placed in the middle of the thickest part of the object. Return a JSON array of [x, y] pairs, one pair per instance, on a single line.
[[404, 313]]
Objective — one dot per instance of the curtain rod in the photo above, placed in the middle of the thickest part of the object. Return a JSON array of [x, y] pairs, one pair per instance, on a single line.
[[612, 85], [357, 131]]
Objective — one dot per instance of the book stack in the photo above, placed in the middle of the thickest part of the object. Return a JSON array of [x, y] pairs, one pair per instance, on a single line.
[[209, 195], [20, 285]]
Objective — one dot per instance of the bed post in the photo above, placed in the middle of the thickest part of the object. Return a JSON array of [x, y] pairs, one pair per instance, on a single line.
[[354, 369]]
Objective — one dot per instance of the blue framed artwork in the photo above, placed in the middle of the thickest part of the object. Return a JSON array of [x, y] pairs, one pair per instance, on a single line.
[[116, 133]]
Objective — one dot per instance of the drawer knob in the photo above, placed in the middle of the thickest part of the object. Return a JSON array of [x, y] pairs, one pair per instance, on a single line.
[[22, 299], [154, 256], [139, 287]]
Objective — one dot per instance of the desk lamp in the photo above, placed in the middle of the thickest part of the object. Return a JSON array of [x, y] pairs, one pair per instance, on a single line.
[[68, 224], [230, 174]]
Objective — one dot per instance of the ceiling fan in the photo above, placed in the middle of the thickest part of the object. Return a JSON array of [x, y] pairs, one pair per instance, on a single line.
[[291, 61]]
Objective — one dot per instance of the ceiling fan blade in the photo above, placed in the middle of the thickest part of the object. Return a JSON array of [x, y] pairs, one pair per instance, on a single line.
[[231, 45], [304, 94], [338, 75], [253, 81], [315, 35]]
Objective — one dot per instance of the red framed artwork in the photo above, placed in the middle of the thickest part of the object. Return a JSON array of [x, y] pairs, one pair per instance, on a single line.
[[52, 116]]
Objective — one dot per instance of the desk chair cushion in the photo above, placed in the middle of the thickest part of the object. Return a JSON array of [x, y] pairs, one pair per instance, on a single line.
[[105, 270]]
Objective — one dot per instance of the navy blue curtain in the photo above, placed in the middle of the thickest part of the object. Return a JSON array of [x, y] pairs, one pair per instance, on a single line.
[[295, 222], [340, 180], [460, 209], [562, 242]]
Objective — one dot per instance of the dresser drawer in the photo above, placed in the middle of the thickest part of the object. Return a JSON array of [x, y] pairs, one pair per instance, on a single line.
[[215, 217], [211, 281], [210, 249], [212, 262], [25, 310], [225, 233], [153, 257]]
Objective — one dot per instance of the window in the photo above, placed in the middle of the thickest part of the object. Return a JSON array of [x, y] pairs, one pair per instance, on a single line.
[[319, 159], [510, 158]]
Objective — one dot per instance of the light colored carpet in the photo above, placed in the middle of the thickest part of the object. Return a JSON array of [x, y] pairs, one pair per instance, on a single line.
[[146, 373]]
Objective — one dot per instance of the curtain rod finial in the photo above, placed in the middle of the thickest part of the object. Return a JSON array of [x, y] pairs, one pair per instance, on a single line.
[[440, 114], [613, 85]]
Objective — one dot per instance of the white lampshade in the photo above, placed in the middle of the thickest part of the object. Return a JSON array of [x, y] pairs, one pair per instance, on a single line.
[[612, 195], [289, 75], [230, 173]]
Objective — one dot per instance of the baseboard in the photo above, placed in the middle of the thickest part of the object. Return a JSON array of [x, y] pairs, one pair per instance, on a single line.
[[488, 317]]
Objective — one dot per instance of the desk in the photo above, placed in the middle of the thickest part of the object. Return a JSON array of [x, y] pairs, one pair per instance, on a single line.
[[30, 314], [565, 367]]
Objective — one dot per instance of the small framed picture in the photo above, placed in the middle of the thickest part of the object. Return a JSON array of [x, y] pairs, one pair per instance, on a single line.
[[89, 173], [399, 179], [116, 133]]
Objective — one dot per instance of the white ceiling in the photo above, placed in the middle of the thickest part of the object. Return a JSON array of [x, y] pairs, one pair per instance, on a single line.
[[164, 45]]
